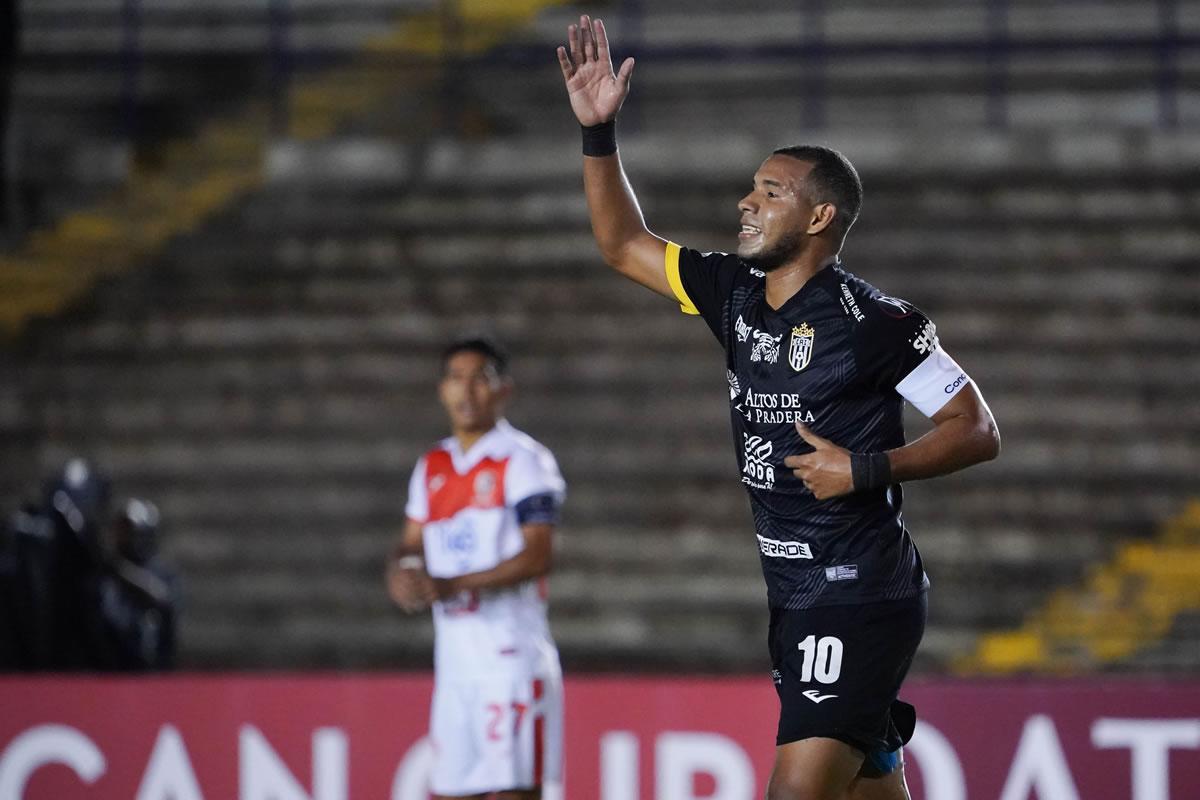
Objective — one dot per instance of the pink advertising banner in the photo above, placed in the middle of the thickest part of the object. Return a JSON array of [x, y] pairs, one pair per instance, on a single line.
[[360, 737]]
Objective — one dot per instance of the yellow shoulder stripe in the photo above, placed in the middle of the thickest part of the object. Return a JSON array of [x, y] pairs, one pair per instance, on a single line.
[[685, 303]]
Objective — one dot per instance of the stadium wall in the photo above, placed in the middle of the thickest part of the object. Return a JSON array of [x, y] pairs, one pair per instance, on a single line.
[[361, 736]]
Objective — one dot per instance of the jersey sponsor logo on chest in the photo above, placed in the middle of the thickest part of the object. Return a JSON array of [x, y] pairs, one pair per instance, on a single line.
[[757, 470], [771, 408], [764, 346]]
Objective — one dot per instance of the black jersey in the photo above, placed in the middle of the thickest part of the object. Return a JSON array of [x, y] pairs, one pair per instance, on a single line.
[[831, 357]]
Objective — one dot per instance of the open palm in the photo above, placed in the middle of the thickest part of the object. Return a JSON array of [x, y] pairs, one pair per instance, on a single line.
[[596, 92]]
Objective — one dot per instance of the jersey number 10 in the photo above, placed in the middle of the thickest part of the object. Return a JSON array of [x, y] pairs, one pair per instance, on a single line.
[[822, 659]]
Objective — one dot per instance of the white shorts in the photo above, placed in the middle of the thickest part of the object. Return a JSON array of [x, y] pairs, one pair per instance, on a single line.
[[496, 734]]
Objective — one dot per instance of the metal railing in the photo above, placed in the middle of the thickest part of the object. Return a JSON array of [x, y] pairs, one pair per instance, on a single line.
[[995, 50]]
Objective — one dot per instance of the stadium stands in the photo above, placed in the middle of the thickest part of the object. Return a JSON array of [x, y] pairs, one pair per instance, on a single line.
[[266, 374]]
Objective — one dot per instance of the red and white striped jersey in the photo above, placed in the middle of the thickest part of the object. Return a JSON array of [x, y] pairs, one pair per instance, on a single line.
[[466, 502]]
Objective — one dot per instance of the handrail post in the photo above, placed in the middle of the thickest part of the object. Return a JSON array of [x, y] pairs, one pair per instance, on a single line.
[[633, 32], [816, 65], [998, 55], [1168, 67], [131, 66], [280, 20], [453, 118]]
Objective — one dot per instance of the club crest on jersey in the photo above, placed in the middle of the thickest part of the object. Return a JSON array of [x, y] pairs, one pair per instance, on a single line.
[[485, 485], [800, 349]]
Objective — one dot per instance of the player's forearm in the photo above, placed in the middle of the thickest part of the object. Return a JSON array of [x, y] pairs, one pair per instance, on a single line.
[[617, 220], [406, 550], [409, 544], [955, 443], [518, 569]]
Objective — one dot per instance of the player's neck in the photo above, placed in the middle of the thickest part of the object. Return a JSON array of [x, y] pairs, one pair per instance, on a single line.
[[467, 438], [785, 280]]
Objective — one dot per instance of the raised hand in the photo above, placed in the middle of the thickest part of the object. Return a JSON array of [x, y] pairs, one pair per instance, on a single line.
[[596, 92], [825, 471]]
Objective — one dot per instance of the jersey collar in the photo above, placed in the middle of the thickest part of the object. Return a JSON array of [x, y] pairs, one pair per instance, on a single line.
[[830, 268], [490, 444]]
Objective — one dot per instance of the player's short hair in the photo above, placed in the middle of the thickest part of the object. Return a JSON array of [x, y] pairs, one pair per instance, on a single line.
[[485, 346], [833, 180]]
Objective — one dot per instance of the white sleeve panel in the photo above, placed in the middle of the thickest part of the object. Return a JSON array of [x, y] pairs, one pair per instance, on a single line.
[[417, 508], [933, 382], [530, 472]]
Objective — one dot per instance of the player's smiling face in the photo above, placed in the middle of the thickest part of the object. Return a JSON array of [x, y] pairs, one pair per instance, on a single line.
[[775, 215], [472, 392]]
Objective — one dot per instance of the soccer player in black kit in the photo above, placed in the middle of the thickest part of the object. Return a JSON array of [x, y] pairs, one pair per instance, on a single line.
[[819, 364]]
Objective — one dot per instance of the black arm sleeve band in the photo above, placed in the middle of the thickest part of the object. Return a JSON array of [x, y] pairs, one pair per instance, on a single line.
[[538, 509], [870, 470], [600, 140]]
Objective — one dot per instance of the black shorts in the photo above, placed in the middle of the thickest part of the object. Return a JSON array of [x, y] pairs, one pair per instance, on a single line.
[[838, 671]]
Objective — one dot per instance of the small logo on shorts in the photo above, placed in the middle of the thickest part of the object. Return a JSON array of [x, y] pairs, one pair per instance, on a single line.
[[816, 696], [776, 677]]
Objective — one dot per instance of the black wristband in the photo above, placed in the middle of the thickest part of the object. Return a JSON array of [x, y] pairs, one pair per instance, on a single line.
[[870, 471], [600, 140]]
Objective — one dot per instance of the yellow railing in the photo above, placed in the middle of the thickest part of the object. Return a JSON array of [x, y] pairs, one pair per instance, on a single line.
[[1122, 607], [199, 176]]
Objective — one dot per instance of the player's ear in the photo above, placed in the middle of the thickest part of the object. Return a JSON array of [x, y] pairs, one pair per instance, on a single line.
[[505, 392], [822, 217]]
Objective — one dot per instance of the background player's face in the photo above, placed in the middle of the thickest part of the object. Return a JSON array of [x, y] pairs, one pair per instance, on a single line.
[[472, 392], [776, 214]]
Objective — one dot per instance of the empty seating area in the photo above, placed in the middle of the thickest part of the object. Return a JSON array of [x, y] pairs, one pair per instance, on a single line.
[[102, 83], [268, 378]]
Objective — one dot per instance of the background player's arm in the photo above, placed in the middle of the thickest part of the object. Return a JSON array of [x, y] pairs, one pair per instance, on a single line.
[[408, 584], [596, 95], [532, 562]]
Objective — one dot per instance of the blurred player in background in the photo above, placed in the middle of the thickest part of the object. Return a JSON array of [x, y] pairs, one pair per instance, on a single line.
[[482, 508], [819, 364]]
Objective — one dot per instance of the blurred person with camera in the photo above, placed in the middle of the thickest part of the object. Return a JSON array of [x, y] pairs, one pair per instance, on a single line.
[[139, 594], [53, 565]]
